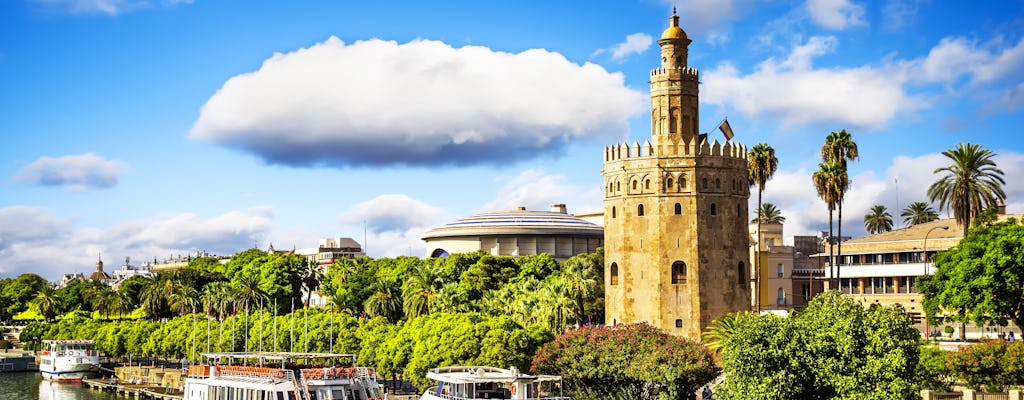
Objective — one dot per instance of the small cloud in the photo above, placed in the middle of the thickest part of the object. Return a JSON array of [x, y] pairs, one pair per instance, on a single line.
[[835, 14], [899, 13], [422, 103], [636, 43], [536, 189], [393, 213], [74, 173]]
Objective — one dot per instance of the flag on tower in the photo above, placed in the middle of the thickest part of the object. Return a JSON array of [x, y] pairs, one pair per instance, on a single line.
[[726, 129]]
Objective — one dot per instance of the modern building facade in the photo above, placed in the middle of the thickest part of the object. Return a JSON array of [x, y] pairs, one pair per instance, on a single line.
[[676, 240], [517, 232]]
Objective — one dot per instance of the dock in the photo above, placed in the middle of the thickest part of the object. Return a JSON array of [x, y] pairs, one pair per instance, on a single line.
[[18, 361], [142, 391]]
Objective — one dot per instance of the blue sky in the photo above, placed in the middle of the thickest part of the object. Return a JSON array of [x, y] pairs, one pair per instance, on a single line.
[[147, 129]]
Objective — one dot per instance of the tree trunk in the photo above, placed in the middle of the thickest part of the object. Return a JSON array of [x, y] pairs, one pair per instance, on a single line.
[[831, 254], [757, 253], [839, 242]]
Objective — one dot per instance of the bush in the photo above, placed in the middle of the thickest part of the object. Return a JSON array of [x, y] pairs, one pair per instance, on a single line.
[[626, 361], [932, 370], [991, 365]]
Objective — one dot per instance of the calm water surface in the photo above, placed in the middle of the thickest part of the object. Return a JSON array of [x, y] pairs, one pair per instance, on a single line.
[[31, 386]]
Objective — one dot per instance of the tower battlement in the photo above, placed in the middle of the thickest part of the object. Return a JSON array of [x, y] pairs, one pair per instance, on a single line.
[[727, 150], [683, 73]]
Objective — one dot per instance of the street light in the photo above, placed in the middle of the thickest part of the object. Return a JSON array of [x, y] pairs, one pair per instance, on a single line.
[[927, 333], [943, 227]]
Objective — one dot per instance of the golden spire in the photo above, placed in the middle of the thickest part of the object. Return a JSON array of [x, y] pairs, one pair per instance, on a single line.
[[673, 31]]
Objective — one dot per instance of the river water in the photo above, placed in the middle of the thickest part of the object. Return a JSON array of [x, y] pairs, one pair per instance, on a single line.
[[31, 386]]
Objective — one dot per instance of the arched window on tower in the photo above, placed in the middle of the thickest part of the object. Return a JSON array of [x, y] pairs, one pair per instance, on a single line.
[[737, 209], [718, 183], [673, 120], [704, 183], [640, 210], [614, 274], [714, 209], [679, 209], [635, 185], [682, 182], [668, 184], [613, 211], [678, 272], [611, 187], [647, 184], [741, 273], [618, 186]]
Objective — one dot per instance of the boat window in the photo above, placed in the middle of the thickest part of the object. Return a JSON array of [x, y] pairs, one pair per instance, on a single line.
[[337, 394]]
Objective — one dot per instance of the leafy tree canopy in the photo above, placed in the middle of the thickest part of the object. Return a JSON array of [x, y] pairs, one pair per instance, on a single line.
[[981, 279]]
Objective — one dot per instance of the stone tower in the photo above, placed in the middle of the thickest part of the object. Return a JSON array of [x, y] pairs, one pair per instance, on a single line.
[[676, 243]]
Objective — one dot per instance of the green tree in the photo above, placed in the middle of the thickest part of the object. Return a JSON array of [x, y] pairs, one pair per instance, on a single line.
[[769, 213], [840, 147], [833, 349], [47, 303], [420, 293], [761, 166], [580, 275], [918, 212], [310, 275], [829, 181], [722, 328], [981, 279], [17, 293], [635, 361], [971, 183], [385, 300], [878, 220]]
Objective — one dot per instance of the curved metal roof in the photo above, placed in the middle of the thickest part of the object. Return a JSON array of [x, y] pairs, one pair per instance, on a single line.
[[516, 222]]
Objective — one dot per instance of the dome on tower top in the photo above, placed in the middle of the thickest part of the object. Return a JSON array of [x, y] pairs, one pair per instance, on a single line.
[[673, 31]]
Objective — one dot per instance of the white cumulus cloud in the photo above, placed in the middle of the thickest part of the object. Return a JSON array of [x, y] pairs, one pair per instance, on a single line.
[[73, 172], [425, 102], [395, 224], [796, 93], [51, 246], [537, 189], [636, 43], [835, 14]]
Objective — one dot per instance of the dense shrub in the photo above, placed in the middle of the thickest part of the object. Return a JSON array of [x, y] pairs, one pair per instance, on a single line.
[[626, 361], [989, 365]]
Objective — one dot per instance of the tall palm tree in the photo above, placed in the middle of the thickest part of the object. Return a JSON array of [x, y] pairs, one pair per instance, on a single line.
[[217, 298], [878, 220], [918, 213], [761, 166], [769, 213], [840, 147], [386, 300], [827, 182], [183, 301], [310, 276], [972, 183], [247, 290], [47, 302], [156, 293]]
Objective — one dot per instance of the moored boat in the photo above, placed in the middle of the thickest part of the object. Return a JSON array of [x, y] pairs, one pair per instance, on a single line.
[[471, 383], [280, 376], [68, 360]]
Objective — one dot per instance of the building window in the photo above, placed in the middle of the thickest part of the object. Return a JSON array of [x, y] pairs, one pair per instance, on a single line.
[[613, 211], [737, 209], [634, 185], [669, 184], [614, 272], [742, 274], [704, 182], [640, 210], [780, 270], [679, 323], [682, 182], [781, 297], [647, 184], [718, 183], [679, 209], [611, 187], [618, 186], [714, 210], [678, 272]]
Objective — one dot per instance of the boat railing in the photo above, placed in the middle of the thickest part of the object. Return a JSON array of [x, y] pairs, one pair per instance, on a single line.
[[251, 372], [329, 373], [366, 372]]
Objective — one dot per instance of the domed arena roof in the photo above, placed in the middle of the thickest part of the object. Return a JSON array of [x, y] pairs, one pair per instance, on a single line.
[[517, 222]]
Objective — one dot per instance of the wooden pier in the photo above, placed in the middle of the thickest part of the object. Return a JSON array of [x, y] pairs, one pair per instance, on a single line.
[[143, 391]]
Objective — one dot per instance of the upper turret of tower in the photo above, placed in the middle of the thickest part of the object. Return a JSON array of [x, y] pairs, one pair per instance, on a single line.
[[674, 44]]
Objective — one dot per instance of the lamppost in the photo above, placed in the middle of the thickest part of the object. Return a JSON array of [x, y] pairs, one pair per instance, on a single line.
[[927, 329]]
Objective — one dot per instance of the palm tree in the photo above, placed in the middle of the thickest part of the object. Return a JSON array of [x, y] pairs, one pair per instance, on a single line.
[[722, 328], [216, 299], [972, 183], [420, 294], [155, 295], [555, 304], [185, 300], [918, 213], [827, 182], [761, 166], [310, 277], [247, 290], [839, 146], [878, 220], [386, 300], [47, 302], [579, 275], [769, 213]]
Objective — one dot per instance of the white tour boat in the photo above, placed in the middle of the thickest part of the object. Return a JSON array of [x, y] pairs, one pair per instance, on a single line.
[[280, 376], [470, 383], [68, 360]]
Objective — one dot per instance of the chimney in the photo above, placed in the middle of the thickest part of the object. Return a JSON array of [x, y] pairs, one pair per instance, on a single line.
[[558, 208], [521, 208]]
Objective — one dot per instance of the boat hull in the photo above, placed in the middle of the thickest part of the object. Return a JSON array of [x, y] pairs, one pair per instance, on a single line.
[[68, 375]]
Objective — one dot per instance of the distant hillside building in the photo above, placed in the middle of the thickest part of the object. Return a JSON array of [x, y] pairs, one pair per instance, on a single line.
[[517, 232], [676, 241]]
